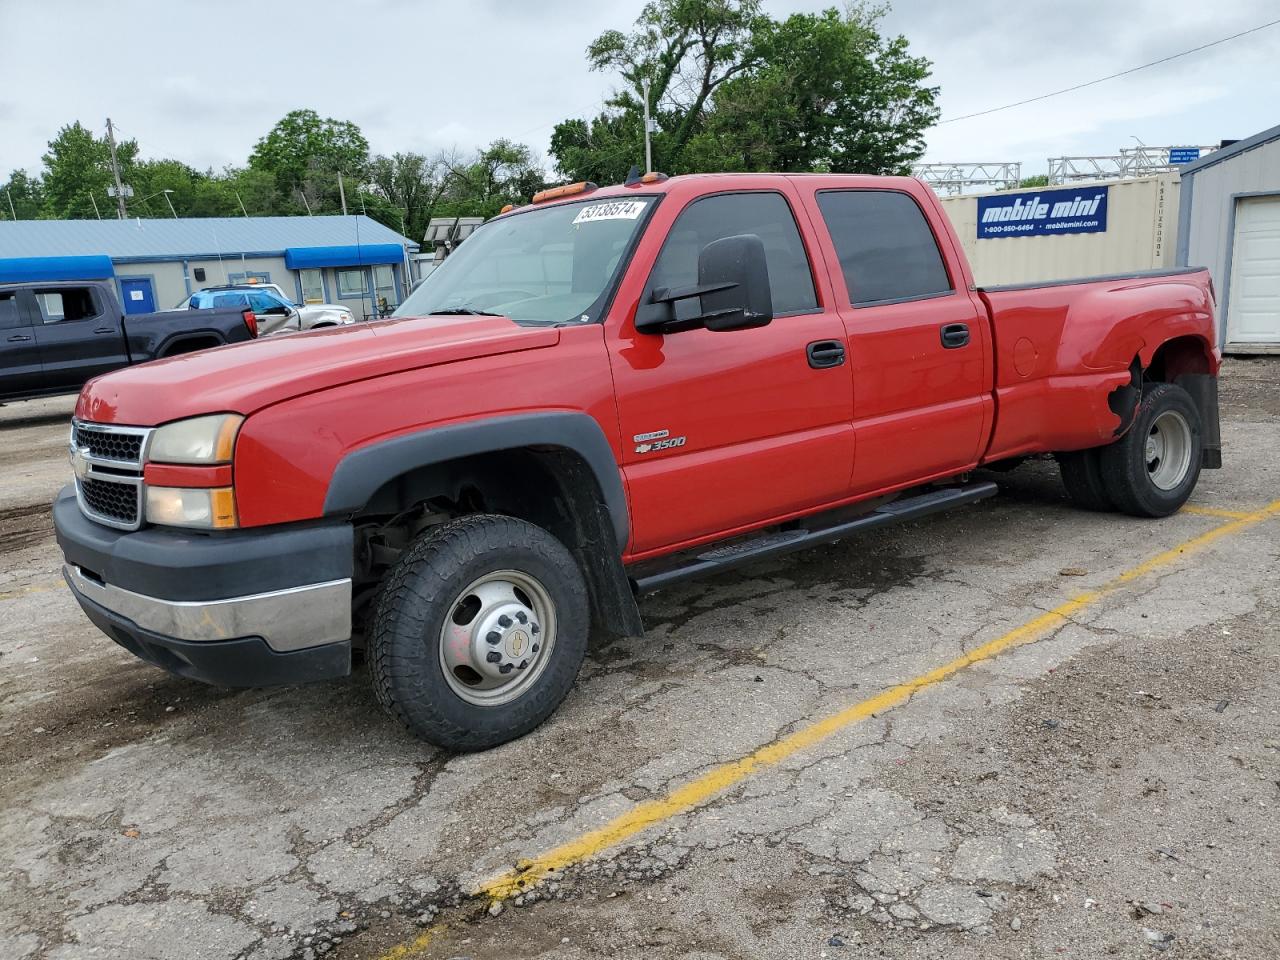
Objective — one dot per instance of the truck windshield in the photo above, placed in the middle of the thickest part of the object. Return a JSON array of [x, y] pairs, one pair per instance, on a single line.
[[549, 266]]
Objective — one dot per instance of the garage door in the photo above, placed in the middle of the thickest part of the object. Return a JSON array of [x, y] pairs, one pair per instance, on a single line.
[[1253, 307]]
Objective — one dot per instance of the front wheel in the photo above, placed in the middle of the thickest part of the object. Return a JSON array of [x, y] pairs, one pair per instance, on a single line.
[[479, 632], [1152, 469]]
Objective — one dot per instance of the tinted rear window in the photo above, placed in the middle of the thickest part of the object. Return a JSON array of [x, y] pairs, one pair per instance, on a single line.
[[885, 246]]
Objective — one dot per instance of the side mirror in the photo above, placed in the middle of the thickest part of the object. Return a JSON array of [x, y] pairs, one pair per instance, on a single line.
[[733, 289], [280, 311]]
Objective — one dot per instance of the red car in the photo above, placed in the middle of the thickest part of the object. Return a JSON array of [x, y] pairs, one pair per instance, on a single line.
[[598, 394]]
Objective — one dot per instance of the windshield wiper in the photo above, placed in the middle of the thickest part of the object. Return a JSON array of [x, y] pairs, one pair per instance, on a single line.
[[462, 312]]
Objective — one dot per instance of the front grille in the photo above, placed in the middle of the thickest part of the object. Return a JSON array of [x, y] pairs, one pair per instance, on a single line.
[[111, 500], [109, 444]]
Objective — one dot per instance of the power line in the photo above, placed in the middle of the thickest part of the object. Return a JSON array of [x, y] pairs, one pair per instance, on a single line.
[[1122, 73]]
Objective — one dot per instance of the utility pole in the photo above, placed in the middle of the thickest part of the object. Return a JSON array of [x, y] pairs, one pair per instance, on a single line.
[[342, 193], [648, 129], [115, 171], [241, 202], [14, 213], [170, 203], [94, 200]]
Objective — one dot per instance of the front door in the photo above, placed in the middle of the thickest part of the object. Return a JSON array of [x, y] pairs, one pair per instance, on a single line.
[[20, 370], [80, 337], [721, 431], [138, 295], [918, 342]]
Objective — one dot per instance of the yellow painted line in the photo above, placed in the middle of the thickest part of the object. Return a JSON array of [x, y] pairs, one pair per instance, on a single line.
[[696, 792], [414, 947], [1215, 512]]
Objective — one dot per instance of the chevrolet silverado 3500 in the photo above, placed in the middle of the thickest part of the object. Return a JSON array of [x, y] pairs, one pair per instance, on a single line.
[[598, 394]]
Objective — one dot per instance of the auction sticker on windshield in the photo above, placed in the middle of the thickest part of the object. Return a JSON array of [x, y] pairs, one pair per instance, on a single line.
[[617, 210]]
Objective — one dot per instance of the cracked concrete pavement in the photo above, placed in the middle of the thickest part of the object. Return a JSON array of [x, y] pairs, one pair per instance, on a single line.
[[1109, 790]]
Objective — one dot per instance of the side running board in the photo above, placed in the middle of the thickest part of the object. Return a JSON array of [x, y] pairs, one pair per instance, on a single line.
[[720, 559]]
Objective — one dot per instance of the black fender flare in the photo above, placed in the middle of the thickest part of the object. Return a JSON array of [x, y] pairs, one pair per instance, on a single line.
[[360, 473]]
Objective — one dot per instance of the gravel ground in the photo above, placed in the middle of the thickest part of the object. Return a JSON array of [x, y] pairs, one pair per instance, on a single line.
[[1108, 791]]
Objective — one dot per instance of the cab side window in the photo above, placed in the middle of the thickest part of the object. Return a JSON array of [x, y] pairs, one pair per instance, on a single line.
[[10, 314], [768, 216], [887, 251], [66, 304], [261, 302]]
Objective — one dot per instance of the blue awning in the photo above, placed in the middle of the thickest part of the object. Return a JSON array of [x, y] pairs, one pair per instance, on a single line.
[[309, 258], [28, 269]]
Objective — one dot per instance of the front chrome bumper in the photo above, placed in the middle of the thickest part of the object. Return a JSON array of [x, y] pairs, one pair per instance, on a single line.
[[287, 620]]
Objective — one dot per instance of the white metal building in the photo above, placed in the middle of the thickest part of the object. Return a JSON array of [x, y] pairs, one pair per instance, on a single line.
[[1229, 221]]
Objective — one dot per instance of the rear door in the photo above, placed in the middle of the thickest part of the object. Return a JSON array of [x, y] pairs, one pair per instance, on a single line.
[[80, 335], [723, 431], [918, 341], [20, 370]]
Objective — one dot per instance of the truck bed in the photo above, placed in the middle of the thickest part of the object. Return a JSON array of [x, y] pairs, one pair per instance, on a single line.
[[1064, 350]]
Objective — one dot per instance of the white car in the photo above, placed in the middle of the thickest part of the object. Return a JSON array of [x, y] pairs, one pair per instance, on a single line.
[[276, 312]]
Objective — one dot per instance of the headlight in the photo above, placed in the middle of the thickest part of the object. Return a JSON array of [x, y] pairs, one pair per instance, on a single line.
[[204, 440], [192, 507]]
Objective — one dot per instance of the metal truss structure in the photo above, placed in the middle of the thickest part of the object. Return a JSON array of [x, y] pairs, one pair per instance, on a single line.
[[1130, 162], [953, 179]]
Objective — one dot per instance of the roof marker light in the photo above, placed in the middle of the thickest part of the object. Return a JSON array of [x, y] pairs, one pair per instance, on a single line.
[[567, 190]]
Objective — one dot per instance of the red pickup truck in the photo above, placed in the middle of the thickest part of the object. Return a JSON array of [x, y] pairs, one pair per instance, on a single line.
[[601, 393]]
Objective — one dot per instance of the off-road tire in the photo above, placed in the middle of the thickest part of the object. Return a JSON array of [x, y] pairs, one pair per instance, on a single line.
[[1125, 473], [404, 643], [1082, 476]]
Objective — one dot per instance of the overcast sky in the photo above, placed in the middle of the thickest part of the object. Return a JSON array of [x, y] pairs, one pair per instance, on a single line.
[[202, 82]]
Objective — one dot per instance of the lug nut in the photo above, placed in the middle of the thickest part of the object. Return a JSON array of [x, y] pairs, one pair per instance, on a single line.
[[505, 668], [523, 664], [493, 636], [534, 628], [493, 656], [504, 621], [535, 648], [522, 617]]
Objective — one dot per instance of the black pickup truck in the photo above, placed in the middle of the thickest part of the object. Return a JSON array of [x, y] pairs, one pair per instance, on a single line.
[[56, 336]]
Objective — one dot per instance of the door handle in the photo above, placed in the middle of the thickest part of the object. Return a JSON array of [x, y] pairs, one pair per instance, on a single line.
[[104, 330], [955, 335], [19, 338], [825, 353]]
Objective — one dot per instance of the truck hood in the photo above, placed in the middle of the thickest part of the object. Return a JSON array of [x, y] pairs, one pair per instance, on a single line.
[[249, 376]]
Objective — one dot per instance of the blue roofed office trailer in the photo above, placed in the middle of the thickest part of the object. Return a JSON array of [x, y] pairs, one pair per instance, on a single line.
[[155, 263]]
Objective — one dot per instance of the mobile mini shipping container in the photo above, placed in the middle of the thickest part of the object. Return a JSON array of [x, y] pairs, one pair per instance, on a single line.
[[1060, 232]]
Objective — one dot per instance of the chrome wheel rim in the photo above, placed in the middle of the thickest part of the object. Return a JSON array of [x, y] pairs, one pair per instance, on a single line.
[[497, 637], [1168, 450]]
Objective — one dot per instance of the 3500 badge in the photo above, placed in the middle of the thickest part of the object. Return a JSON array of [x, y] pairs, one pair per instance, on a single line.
[[657, 440]]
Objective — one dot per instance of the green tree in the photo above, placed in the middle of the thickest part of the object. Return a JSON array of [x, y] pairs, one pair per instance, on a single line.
[[403, 190], [736, 90], [77, 171], [26, 195], [503, 172], [686, 49], [1039, 180], [829, 93], [306, 153]]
